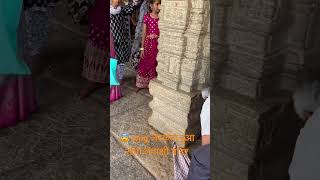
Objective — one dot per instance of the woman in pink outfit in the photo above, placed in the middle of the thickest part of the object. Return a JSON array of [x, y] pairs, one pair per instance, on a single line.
[[17, 92]]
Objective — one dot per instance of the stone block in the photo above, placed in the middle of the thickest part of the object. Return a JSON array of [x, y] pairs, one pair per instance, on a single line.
[[219, 34], [171, 43], [228, 167], [220, 16], [222, 3], [288, 82], [256, 66], [200, 4], [240, 83], [179, 100], [172, 83], [166, 106], [257, 9], [168, 63], [297, 31], [203, 74], [236, 127], [248, 40], [170, 112], [169, 10]]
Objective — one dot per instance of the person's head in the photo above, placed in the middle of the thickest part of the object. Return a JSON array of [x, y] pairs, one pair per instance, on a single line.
[[306, 97], [155, 6], [205, 92], [116, 3]]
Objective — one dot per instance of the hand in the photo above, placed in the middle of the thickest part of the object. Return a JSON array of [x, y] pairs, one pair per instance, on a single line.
[[135, 2], [141, 53]]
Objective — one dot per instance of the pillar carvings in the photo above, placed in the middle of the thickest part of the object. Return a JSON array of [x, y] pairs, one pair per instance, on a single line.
[[183, 66], [248, 55]]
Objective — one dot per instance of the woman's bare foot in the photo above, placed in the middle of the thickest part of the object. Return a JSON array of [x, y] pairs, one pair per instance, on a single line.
[[89, 88]]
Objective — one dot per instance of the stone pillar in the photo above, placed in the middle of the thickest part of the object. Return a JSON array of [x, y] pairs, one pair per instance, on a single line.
[[249, 48], [183, 67], [303, 39]]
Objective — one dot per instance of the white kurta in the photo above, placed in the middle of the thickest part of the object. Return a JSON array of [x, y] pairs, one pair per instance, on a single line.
[[205, 117], [306, 158]]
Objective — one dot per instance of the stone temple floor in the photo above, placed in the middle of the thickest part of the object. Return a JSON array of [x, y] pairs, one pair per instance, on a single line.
[[130, 115], [67, 138]]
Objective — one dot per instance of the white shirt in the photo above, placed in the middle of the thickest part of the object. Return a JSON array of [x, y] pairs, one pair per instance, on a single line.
[[205, 117], [305, 162]]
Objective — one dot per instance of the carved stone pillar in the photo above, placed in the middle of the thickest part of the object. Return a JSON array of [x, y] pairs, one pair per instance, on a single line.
[[183, 66], [303, 39], [249, 48]]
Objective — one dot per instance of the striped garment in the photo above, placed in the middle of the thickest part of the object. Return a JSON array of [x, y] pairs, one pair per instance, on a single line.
[[181, 165]]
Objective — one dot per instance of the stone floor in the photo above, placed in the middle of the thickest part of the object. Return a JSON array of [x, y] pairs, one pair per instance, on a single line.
[[130, 115], [67, 138]]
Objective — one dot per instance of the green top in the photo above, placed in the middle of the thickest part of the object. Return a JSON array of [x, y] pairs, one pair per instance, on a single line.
[[9, 21]]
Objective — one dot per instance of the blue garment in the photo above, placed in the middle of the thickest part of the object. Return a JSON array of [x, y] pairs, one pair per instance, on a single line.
[[113, 72], [200, 164], [10, 12]]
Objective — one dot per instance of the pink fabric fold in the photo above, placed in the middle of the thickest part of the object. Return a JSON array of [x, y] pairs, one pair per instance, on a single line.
[[17, 100]]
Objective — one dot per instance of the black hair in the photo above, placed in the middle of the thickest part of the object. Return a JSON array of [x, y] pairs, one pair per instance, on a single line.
[[151, 2]]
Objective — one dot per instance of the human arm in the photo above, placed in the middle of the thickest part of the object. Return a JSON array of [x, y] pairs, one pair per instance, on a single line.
[[205, 122], [143, 38], [205, 139]]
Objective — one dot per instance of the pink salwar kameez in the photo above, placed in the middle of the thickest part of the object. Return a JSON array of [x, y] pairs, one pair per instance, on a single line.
[[146, 69]]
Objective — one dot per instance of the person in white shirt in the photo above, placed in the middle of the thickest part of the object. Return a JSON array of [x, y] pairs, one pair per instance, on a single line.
[[205, 117], [200, 158], [306, 158]]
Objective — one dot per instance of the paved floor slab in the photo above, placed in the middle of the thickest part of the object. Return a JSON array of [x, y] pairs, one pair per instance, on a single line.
[[123, 166]]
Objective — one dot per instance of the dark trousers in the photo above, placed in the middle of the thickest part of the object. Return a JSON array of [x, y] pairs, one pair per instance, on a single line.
[[200, 164]]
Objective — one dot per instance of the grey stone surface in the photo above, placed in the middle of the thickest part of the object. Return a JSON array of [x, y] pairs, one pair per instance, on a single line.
[[134, 122], [255, 56], [131, 100], [130, 115], [67, 137], [124, 166], [64, 140]]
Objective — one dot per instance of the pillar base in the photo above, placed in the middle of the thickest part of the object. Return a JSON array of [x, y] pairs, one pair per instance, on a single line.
[[175, 112], [236, 124]]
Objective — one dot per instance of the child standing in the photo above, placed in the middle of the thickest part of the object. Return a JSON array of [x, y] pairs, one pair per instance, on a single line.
[[95, 62], [121, 34], [146, 69]]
